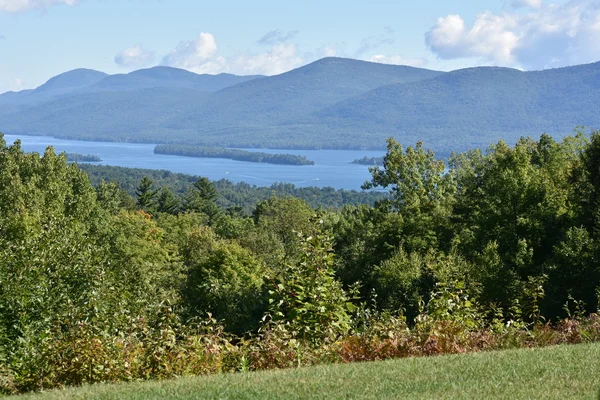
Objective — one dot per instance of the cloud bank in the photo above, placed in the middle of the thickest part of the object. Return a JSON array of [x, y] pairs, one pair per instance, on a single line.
[[527, 3], [12, 6], [201, 56], [550, 35]]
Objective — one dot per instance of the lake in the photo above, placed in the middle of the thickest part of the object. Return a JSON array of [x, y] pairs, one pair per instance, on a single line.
[[332, 167]]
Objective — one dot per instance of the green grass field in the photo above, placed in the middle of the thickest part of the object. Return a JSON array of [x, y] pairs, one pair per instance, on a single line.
[[562, 372]]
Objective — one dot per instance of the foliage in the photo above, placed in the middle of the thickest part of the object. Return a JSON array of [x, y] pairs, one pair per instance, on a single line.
[[493, 250], [83, 157], [240, 194], [223, 279], [422, 192], [307, 297]]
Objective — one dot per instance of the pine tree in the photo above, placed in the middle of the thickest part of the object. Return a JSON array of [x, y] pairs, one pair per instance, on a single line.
[[146, 196], [167, 202]]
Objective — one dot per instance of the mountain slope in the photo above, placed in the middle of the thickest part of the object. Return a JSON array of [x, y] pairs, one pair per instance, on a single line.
[[118, 115], [57, 86], [332, 103], [306, 89], [470, 107], [258, 103]]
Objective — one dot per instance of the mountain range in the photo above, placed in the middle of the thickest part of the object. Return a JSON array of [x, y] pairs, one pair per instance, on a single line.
[[331, 103]]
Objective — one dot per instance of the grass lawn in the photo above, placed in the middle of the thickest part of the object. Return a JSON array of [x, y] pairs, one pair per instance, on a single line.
[[562, 372]]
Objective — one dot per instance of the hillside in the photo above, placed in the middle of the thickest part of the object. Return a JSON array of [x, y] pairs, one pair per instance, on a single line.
[[549, 373], [60, 85], [118, 114], [471, 107], [331, 103], [277, 99], [255, 105]]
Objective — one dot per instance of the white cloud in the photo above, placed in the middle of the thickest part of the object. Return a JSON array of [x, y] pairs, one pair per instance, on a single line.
[[135, 57], [490, 37], [201, 56], [552, 35], [281, 58], [193, 54], [527, 3], [22, 5], [398, 60]]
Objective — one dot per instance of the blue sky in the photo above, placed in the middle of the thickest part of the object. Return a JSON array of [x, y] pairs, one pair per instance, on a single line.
[[42, 38]]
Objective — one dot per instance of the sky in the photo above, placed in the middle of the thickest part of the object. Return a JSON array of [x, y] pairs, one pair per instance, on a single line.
[[43, 38]]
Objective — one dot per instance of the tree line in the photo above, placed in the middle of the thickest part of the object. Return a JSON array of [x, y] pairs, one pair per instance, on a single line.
[[232, 154], [486, 250], [238, 195]]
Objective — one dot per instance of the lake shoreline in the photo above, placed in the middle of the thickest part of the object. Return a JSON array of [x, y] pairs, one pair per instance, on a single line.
[[332, 167]]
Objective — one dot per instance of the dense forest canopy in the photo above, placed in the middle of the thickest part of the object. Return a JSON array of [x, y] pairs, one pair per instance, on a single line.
[[476, 252], [231, 194]]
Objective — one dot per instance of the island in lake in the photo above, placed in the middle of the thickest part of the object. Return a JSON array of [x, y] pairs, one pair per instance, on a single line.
[[232, 154], [82, 157], [369, 161]]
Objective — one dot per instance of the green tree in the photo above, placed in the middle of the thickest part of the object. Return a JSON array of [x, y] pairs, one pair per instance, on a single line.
[[517, 199], [202, 199], [166, 201], [306, 296], [278, 221], [146, 196], [422, 192], [223, 279]]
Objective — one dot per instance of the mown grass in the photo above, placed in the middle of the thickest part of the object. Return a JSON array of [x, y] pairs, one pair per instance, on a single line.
[[560, 372]]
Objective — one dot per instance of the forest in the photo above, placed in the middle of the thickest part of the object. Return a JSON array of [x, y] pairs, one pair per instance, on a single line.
[[369, 161], [231, 195], [232, 154], [484, 250], [83, 157]]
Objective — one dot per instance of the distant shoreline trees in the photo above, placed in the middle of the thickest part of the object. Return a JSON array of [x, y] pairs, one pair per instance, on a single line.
[[82, 157], [232, 154], [368, 161]]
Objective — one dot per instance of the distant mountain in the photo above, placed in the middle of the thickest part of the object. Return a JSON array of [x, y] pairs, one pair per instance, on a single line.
[[58, 86], [257, 104], [167, 77], [278, 99], [331, 103], [72, 80], [471, 107], [84, 81], [118, 114]]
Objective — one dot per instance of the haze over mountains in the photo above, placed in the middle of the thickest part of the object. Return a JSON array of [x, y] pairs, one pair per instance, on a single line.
[[331, 103]]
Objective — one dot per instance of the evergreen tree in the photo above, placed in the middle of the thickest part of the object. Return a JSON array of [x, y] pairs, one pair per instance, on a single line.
[[167, 202], [146, 196]]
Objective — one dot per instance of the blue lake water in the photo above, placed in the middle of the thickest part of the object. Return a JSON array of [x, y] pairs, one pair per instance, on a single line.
[[332, 167]]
